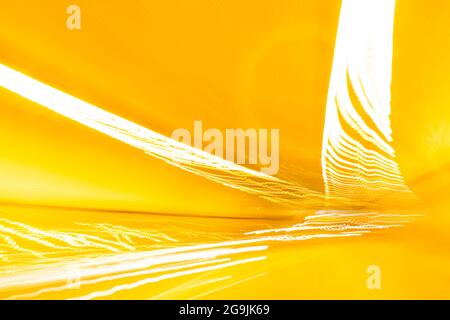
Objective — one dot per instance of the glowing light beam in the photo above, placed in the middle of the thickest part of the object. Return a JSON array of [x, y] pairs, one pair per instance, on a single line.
[[358, 161], [173, 152]]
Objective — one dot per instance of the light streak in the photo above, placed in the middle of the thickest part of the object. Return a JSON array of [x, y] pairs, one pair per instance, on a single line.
[[119, 264], [142, 282], [358, 161], [56, 240], [154, 144], [343, 222], [110, 269]]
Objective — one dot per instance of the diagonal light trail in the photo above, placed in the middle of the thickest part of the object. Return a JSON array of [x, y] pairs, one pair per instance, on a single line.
[[173, 152], [130, 269]]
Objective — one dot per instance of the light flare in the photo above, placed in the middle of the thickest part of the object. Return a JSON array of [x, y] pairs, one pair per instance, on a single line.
[[358, 160]]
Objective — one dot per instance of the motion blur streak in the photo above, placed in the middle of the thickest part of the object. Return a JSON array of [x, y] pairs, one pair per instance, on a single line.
[[129, 270], [154, 144], [167, 276], [357, 158], [86, 282], [341, 221]]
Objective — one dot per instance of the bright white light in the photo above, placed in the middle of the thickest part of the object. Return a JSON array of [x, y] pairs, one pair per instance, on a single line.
[[358, 161], [173, 152]]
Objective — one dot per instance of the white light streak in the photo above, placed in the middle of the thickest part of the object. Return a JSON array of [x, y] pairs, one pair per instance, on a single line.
[[358, 161], [154, 144]]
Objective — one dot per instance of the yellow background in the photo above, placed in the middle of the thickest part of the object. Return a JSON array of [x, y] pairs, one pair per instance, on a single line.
[[231, 64]]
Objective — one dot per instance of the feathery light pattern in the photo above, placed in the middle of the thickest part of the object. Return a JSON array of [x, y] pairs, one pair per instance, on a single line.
[[358, 161]]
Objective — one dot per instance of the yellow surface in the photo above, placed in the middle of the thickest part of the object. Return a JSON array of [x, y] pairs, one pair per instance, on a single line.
[[231, 64]]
